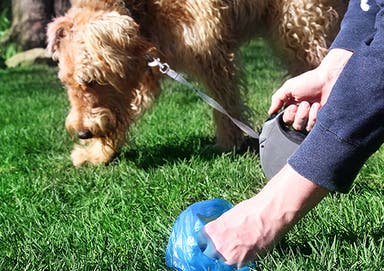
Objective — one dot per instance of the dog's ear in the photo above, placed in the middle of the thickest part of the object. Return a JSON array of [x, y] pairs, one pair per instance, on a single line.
[[109, 43], [57, 30]]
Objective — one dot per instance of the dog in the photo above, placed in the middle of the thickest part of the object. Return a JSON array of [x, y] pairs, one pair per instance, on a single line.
[[102, 49]]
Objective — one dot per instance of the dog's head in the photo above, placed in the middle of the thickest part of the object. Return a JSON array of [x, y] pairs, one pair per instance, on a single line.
[[102, 64]]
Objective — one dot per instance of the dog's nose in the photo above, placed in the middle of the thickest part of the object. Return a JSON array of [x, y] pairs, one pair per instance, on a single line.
[[85, 134]]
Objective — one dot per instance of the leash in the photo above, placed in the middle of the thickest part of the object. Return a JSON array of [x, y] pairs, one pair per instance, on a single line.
[[164, 68]]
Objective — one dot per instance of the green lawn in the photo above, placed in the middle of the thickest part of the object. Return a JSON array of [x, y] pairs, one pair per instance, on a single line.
[[119, 217]]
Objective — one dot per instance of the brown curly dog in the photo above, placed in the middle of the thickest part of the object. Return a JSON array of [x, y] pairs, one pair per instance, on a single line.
[[101, 47]]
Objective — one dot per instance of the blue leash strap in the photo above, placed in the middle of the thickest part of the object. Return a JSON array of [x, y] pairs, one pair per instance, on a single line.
[[165, 69]]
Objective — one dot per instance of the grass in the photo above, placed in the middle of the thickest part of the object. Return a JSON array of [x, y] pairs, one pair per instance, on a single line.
[[119, 217]]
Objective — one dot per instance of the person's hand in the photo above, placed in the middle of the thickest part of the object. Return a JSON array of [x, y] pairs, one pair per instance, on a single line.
[[303, 95], [253, 226]]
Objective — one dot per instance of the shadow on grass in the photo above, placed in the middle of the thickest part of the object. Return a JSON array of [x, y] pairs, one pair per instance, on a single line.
[[200, 147]]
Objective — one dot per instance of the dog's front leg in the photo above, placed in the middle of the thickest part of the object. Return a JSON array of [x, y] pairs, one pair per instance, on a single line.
[[226, 91]]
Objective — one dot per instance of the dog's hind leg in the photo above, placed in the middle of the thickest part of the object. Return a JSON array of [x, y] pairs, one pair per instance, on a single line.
[[301, 31]]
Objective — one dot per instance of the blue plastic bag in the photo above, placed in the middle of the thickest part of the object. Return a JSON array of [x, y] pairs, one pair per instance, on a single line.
[[184, 251]]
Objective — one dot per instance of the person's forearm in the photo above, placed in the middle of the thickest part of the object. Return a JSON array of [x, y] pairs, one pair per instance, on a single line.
[[255, 225], [332, 65], [286, 198], [292, 194]]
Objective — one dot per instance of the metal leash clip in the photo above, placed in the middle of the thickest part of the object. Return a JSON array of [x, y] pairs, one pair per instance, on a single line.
[[153, 62]]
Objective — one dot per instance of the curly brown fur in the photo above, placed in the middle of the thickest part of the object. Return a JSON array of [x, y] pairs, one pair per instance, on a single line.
[[101, 47]]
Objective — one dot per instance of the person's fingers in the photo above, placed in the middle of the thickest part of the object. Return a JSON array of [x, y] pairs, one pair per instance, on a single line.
[[301, 117], [211, 251], [289, 114], [281, 96], [312, 117], [207, 246]]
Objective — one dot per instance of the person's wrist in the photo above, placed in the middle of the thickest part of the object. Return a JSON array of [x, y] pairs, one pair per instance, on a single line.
[[284, 200], [335, 59], [332, 65], [294, 193]]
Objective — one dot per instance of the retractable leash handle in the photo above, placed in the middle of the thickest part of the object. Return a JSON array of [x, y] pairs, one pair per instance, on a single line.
[[277, 142]]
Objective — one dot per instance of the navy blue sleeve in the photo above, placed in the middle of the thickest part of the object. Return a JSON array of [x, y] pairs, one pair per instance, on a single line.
[[350, 126], [357, 25]]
